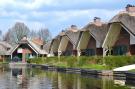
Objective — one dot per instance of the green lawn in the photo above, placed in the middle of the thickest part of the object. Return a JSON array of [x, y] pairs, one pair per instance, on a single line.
[[91, 62], [96, 66], [4, 62]]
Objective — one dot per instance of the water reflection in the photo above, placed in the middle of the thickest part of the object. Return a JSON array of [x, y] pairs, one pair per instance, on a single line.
[[34, 78]]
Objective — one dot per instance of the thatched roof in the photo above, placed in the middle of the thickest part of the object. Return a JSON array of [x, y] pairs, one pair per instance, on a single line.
[[57, 39], [37, 41], [126, 19], [61, 34], [5, 44], [39, 50], [71, 33], [98, 31], [5, 48], [32, 45], [73, 36]]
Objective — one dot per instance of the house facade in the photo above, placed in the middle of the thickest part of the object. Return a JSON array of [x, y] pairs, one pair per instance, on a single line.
[[54, 45], [93, 35], [22, 51], [47, 47], [26, 49], [5, 50], [69, 41], [117, 37], [120, 39]]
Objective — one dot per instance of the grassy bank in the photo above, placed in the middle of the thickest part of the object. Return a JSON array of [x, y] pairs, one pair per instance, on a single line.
[[4, 62], [95, 62]]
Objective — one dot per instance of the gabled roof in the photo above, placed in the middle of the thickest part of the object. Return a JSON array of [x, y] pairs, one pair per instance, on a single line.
[[40, 51], [71, 33], [37, 41], [5, 48], [126, 19], [5, 44], [97, 31], [73, 36], [32, 45], [57, 38]]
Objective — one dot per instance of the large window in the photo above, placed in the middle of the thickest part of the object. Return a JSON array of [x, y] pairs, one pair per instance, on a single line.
[[68, 53], [89, 52], [120, 50]]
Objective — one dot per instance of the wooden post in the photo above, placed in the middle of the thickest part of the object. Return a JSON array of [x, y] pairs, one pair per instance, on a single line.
[[3, 58], [11, 57], [78, 56], [104, 54], [23, 56], [59, 53]]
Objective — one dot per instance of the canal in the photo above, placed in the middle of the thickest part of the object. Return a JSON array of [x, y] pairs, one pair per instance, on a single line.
[[35, 78]]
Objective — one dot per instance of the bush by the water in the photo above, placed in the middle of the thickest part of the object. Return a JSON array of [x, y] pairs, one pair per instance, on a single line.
[[99, 62], [118, 61]]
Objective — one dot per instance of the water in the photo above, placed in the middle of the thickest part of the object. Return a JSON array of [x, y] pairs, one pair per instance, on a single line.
[[35, 78]]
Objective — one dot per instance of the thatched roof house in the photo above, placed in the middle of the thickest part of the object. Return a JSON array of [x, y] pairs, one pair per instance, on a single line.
[[92, 37], [4, 48], [26, 49], [54, 44], [46, 47], [69, 41], [121, 35]]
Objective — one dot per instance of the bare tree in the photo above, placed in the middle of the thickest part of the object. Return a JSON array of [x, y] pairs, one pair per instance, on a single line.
[[44, 34], [33, 34], [15, 34], [7, 36]]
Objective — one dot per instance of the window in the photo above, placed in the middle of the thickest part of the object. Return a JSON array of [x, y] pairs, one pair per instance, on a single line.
[[89, 52], [120, 50]]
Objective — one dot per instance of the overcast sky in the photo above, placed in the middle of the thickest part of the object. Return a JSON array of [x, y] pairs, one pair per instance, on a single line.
[[57, 14]]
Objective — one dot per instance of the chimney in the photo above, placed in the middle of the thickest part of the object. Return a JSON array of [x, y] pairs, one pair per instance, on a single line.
[[73, 27], [97, 20], [130, 8]]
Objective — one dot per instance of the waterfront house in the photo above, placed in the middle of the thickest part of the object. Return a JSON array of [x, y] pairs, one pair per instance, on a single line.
[[46, 47], [53, 49], [26, 49], [93, 35], [4, 50], [69, 41], [120, 39]]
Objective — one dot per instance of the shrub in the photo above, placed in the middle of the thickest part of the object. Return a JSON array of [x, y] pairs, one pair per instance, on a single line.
[[72, 61], [118, 61], [89, 60], [38, 60]]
